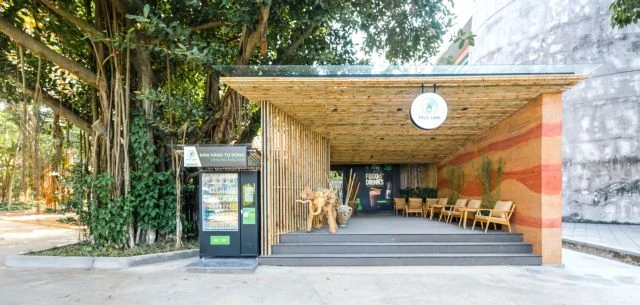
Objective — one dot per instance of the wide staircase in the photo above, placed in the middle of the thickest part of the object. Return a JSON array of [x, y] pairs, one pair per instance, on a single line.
[[395, 249]]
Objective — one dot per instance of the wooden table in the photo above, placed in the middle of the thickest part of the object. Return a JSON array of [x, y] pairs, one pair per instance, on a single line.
[[463, 219]]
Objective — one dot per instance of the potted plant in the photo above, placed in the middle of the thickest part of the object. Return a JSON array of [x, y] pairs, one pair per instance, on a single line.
[[404, 193]]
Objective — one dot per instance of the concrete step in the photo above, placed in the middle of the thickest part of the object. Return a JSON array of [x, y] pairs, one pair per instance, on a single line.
[[468, 259], [401, 247], [302, 237]]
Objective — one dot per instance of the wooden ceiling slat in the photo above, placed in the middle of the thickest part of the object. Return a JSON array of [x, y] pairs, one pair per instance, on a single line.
[[360, 117]]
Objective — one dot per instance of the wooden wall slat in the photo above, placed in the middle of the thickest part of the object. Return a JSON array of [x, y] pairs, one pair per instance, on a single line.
[[293, 156]]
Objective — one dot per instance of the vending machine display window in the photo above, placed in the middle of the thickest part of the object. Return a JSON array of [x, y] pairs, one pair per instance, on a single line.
[[220, 202]]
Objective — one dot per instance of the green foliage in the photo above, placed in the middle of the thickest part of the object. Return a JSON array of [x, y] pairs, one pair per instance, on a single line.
[[105, 218], [108, 218], [80, 182], [463, 38], [490, 183], [16, 206], [455, 178], [152, 192], [624, 13], [419, 192], [149, 205]]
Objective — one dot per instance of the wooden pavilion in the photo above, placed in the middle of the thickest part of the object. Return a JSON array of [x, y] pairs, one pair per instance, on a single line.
[[317, 116]]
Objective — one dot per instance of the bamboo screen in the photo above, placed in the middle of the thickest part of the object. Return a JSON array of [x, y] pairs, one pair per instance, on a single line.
[[418, 175], [293, 156]]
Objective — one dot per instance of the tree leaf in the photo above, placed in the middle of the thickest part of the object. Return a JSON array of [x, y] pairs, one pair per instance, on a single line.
[[145, 10]]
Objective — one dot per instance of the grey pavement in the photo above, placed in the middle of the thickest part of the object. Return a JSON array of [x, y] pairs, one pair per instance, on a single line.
[[614, 236], [584, 279], [19, 234]]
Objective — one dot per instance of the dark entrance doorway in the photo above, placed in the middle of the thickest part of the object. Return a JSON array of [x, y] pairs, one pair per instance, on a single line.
[[379, 184]]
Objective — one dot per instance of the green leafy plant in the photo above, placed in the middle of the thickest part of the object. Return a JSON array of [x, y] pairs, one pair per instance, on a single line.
[[462, 38], [455, 177], [490, 182], [624, 13], [152, 191], [109, 218]]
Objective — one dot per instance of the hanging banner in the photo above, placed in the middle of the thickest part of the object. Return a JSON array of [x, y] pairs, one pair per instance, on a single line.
[[428, 111], [215, 156]]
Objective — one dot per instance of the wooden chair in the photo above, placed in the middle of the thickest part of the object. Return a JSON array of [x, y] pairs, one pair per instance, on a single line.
[[414, 206], [399, 204], [470, 211], [501, 213], [438, 207], [449, 210], [427, 207]]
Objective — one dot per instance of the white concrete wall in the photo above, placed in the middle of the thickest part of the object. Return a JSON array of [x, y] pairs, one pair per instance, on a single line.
[[601, 139]]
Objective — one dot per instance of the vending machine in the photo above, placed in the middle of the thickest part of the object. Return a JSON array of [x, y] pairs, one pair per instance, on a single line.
[[229, 220]]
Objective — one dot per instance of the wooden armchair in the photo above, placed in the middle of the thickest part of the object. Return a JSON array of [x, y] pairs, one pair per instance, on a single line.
[[399, 204], [470, 211], [437, 208], [501, 213], [450, 211], [427, 207], [414, 206]]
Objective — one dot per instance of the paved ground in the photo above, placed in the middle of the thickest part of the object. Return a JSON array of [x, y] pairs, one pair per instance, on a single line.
[[584, 280], [26, 233], [615, 236]]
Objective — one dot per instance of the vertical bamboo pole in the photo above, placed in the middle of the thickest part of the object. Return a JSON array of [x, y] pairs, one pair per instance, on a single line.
[[272, 141], [263, 173]]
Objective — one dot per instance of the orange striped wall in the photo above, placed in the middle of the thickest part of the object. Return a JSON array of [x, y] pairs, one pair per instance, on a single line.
[[530, 143]]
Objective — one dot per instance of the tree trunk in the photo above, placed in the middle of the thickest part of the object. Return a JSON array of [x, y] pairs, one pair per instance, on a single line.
[[12, 171], [24, 150], [35, 124], [233, 104]]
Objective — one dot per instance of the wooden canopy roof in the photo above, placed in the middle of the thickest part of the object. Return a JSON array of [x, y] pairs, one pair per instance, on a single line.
[[366, 118]]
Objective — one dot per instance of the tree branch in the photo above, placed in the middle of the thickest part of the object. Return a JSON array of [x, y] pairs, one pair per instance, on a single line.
[[207, 25], [296, 44], [79, 23], [248, 44], [56, 106], [40, 49]]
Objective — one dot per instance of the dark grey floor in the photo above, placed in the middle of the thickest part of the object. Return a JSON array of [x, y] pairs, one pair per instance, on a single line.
[[389, 223]]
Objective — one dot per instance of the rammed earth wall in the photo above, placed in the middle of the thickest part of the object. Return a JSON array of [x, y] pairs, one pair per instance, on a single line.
[[601, 116], [530, 144]]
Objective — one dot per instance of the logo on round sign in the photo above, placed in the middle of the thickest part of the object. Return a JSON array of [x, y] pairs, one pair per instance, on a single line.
[[428, 111]]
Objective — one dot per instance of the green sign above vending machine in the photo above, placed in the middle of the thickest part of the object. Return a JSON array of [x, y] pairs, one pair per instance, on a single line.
[[215, 156]]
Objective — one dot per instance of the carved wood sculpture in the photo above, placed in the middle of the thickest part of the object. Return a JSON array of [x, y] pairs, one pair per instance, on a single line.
[[322, 204]]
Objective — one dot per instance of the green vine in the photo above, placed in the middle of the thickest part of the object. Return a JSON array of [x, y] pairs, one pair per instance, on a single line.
[[150, 204], [455, 177], [152, 191], [490, 183]]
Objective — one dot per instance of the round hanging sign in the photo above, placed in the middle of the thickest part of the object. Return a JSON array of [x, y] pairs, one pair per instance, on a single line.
[[428, 111]]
